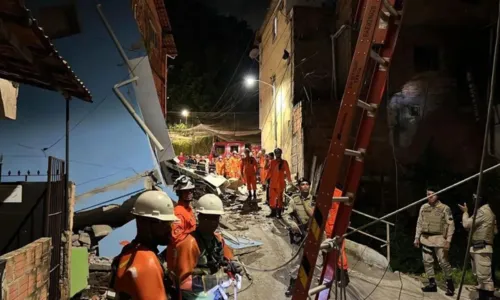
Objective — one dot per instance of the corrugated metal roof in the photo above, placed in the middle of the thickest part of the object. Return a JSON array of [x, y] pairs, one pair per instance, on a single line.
[[28, 56]]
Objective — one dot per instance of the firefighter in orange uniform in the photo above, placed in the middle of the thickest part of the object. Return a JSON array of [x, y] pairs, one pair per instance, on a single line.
[[184, 189], [220, 166], [227, 166], [330, 223], [234, 166], [279, 171], [137, 272], [249, 173], [202, 260], [262, 167]]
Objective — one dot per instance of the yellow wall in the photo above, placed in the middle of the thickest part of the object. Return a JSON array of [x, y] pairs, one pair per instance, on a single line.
[[272, 65]]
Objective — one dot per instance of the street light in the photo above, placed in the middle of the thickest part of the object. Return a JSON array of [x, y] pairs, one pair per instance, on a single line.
[[185, 113], [250, 82]]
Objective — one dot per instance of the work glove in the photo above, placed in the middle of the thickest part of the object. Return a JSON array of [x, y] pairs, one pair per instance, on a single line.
[[233, 267]]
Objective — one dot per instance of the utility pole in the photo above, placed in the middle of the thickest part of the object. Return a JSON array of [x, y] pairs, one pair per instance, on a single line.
[[1, 163]]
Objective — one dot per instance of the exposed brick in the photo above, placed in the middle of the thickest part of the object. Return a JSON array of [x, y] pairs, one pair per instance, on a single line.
[[39, 279], [31, 281], [13, 291], [46, 246]]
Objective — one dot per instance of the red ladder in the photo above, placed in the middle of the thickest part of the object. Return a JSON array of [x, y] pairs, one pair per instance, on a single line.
[[376, 42]]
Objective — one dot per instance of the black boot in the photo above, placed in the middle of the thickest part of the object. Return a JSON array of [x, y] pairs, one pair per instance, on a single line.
[[450, 287], [431, 287], [486, 295], [273, 213], [344, 280], [278, 212], [289, 291]]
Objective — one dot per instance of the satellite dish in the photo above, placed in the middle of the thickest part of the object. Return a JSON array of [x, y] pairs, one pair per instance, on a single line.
[[254, 53]]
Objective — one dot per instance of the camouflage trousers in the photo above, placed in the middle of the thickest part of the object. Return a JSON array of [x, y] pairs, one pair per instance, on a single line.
[[442, 258]]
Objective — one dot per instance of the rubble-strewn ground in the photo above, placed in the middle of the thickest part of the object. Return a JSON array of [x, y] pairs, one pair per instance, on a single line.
[[243, 222], [365, 283]]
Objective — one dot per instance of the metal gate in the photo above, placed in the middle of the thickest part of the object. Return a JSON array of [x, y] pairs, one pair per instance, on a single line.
[[56, 214]]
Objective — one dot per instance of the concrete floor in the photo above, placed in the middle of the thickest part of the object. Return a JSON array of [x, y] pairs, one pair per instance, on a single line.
[[366, 282]]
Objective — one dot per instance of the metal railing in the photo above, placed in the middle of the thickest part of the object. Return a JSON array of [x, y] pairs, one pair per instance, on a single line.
[[386, 242]]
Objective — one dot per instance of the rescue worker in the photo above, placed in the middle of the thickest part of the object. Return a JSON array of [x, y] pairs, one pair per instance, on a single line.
[[296, 217], [435, 228], [279, 173], [184, 189], [220, 166], [262, 164], [342, 275], [202, 260], [227, 166], [234, 166], [266, 180], [137, 273], [249, 173], [481, 249]]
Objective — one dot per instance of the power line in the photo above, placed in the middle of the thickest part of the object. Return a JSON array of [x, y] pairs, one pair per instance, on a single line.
[[90, 112], [111, 200], [235, 70], [100, 178]]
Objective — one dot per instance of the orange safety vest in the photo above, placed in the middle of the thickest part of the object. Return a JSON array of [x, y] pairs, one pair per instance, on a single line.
[[186, 223], [138, 274]]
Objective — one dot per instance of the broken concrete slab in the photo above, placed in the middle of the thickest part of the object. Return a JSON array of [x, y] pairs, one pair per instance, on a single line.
[[84, 239], [101, 230]]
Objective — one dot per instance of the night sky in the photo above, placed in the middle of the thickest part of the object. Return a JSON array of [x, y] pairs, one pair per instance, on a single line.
[[251, 11]]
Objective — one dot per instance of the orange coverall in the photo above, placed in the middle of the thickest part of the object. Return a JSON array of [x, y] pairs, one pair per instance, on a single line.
[[277, 184], [330, 222], [263, 170], [234, 167], [142, 278], [249, 171], [220, 167], [182, 259], [186, 223], [227, 167]]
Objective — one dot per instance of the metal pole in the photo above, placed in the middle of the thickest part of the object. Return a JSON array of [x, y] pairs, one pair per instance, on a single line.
[[115, 39], [66, 176], [275, 117], [1, 164], [485, 146], [134, 115], [388, 247], [420, 201]]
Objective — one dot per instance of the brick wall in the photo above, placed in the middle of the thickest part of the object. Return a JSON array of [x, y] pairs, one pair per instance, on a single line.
[[26, 273]]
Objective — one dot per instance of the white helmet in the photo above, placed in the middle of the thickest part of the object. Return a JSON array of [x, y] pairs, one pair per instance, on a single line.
[[156, 205], [183, 183], [210, 204]]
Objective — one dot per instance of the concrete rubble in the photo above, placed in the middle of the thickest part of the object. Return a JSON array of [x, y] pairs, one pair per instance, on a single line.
[[261, 244]]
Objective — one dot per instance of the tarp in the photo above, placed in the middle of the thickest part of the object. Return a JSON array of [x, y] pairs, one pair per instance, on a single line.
[[147, 98]]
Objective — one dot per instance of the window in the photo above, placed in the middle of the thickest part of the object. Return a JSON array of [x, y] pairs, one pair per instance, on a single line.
[[275, 28], [234, 148], [59, 21], [425, 58]]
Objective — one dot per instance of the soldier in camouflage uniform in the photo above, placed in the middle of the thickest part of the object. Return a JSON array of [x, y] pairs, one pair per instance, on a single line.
[[296, 217], [435, 228], [481, 249]]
